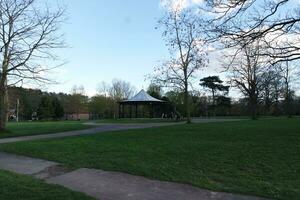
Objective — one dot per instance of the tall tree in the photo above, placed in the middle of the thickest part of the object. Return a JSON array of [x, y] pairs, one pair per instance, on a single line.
[[50, 108], [101, 106], [288, 93], [155, 91], [28, 33], [120, 90], [215, 84], [45, 110], [58, 108], [182, 34], [103, 89], [245, 73], [78, 100], [271, 87]]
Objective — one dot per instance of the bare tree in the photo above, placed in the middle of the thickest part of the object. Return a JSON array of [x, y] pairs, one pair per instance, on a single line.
[[78, 100], [277, 89], [182, 34], [103, 89], [288, 79], [241, 22], [120, 90], [78, 90], [246, 75], [271, 85], [28, 33]]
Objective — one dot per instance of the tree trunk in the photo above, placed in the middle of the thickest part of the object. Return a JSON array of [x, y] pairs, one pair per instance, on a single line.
[[253, 107], [288, 104], [276, 106], [288, 99], [3, 104], [213, 104], [187, 105], [288, 91]]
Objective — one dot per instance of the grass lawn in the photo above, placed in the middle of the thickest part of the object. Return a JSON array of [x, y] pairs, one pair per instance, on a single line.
[[17, 187], [34, 128], [250, 157]]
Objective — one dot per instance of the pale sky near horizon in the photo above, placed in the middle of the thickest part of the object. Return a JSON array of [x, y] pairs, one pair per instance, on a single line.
[[109, 40]]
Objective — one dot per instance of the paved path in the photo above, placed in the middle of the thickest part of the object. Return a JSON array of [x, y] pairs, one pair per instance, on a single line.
[[98, 129], [212, 120], [22, 164], [105, 127], [110, 185]]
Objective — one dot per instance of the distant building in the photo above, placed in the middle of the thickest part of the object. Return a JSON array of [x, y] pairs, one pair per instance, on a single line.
[[141, 105]]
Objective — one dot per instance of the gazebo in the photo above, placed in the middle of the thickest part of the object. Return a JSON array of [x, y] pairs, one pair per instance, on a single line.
[[140, 99]]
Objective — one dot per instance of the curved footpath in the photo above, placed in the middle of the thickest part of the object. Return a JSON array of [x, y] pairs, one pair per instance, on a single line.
[[104, 127], [99, 128]]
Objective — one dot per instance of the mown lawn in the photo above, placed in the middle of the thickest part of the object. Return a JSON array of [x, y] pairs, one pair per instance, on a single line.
[[250, 157], [17, 187], [34, 128]]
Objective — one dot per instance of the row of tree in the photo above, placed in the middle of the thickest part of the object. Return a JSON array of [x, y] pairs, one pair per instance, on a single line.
[[30, 103], [35, 104]]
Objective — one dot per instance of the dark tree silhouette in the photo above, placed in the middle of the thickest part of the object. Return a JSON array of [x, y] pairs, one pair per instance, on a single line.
[[58, 108], [215, 84], [50, 108]]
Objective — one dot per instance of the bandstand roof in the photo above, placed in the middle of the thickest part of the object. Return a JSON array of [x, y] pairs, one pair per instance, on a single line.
[[142, 96]]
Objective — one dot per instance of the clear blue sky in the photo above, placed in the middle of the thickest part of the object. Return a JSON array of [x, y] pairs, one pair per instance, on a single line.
[[112, 39], [109, 39]]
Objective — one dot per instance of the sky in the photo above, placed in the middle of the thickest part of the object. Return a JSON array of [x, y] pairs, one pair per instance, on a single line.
[[109, 40], [114, 39]]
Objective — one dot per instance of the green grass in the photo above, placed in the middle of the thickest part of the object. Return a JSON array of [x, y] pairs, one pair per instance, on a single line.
[[34, 128], [18, 187], [250, 157]]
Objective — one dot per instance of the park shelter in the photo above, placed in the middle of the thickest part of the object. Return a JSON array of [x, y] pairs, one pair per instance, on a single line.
[[130, 108]]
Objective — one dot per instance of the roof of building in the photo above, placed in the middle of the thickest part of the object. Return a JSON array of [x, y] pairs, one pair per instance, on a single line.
[[143, 96]]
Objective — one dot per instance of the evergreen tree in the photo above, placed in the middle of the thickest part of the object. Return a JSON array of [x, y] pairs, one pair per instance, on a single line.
[[58, 108], [46, 109]]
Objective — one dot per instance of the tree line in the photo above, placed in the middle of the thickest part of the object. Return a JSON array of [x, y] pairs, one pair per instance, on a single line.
[[38, 105]]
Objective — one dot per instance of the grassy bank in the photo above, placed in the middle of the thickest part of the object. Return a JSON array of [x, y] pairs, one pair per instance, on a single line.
[[34, 128], [17, 187]]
